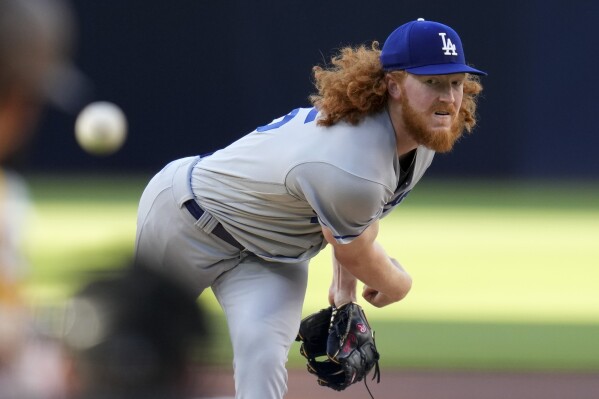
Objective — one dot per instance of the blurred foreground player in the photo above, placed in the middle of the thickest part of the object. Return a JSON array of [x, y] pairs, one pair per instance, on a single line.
[[35, 41], [247, 219], [132, 336]]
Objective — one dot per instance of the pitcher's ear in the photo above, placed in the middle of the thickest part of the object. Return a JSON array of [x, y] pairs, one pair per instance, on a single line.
[[393, 87]]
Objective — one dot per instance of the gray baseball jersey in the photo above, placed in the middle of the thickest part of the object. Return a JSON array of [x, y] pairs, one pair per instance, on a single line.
[[273, 188]]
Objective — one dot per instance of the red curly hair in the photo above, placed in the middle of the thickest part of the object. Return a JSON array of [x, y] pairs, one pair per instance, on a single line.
[[354, 86]]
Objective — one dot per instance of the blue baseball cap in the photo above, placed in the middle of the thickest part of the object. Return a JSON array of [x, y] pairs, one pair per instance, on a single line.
[[425, 48]]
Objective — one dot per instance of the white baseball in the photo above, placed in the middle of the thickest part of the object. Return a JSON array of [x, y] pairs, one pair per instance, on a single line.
[[101, 128]]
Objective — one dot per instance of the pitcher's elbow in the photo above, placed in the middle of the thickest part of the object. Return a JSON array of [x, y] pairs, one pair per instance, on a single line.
[[405, 289]]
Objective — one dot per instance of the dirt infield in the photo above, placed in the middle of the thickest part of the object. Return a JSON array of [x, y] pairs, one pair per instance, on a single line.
[[432, 385]]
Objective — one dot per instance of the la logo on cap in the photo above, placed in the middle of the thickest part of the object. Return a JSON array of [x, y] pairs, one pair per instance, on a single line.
[[448, 46]]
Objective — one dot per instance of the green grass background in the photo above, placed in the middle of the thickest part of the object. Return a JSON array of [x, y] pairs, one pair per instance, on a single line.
[[506, 274]]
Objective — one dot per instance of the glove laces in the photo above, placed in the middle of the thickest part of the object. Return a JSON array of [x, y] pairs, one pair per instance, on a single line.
[[377, 375], [377, 372]]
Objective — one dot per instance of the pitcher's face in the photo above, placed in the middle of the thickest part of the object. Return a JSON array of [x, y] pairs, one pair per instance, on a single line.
[[430, 108]]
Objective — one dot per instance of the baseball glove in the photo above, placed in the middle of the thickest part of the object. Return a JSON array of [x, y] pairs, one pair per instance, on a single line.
[[339, 346]]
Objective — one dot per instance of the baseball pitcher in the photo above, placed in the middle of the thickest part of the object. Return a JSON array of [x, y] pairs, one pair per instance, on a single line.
[[246, 220]]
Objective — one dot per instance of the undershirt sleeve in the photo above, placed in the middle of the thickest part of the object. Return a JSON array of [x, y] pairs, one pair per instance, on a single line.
[[345, 203]]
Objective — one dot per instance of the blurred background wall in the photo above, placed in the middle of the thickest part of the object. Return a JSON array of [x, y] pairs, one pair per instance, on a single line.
[[193, 75]]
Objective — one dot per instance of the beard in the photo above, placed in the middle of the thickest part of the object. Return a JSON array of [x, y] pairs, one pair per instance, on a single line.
[[437, 139]]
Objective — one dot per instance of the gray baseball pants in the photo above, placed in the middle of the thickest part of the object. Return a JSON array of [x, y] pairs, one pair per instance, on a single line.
[[262, 300]]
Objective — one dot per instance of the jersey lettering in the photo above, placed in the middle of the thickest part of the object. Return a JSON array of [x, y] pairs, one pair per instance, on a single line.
[[274, 125], [399, 198], [311, 115], [396, 201]]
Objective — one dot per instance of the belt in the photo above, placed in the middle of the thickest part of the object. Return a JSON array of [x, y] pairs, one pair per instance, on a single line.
[[219, 231]]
